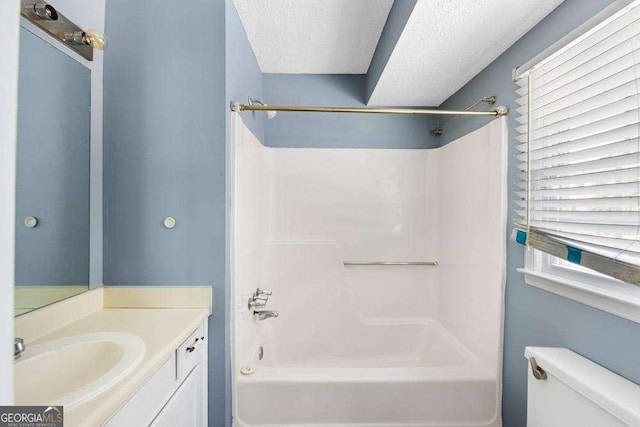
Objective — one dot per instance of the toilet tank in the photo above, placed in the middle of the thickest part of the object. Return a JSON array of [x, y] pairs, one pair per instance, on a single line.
[[578, 392]]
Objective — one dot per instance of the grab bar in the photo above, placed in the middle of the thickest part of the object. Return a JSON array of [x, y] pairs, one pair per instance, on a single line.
[[431, 263]]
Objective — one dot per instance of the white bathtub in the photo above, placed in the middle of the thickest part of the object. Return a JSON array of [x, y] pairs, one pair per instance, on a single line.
[[391, 374], [375, 346]]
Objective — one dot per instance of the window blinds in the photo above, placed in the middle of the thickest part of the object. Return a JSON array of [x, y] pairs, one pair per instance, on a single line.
[[578, 178]]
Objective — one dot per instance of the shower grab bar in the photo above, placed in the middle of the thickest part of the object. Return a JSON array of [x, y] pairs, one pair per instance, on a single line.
[[429, 263]]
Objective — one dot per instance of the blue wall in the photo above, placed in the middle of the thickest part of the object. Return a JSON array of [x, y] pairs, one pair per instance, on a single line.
[[164, 146], [52, 181], [533, 316], [166, 135], [244, 78], [326, 130], [165, 155]]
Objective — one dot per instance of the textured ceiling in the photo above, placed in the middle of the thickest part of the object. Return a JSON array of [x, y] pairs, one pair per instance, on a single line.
[[314, 36], [447, 42]]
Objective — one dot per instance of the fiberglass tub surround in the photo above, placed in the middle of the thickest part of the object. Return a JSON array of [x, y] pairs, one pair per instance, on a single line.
[[411, 345]]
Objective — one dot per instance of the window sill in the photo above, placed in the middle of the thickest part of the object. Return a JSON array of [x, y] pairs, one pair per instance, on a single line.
[[621, 300]]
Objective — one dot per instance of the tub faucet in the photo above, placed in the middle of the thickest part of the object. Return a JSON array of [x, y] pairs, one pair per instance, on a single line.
[[265, 314], [259, 299], [18, 347]]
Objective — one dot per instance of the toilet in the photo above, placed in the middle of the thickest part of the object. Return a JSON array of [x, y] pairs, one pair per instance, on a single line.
[[567, 390]]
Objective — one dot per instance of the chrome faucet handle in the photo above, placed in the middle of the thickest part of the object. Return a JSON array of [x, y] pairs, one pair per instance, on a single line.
[[266, 292], [256, 303], [261, 297], [18, 347]]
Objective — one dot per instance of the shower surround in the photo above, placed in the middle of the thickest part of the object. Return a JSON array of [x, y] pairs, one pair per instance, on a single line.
[[369, 345]]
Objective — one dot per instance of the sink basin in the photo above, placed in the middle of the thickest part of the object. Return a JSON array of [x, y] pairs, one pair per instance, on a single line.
[[69, 371]]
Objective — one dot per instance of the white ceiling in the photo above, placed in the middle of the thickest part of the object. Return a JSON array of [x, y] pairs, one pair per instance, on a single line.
[[314, 36], [444, 44], [447, 42]]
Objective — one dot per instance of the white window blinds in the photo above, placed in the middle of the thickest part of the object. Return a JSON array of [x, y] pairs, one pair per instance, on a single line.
[[579, 150]]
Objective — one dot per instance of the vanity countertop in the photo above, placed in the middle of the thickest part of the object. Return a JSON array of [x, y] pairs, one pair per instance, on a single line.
[[162, 329]]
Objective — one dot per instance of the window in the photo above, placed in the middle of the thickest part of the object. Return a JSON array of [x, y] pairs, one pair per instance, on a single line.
[[579, 161]]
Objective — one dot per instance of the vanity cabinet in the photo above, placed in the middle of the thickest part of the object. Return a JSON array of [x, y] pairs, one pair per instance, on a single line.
[[176, 395], [185, 406]]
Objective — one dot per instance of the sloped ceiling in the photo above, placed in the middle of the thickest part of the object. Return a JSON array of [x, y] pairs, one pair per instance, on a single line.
[[313, 36], [445, 43]]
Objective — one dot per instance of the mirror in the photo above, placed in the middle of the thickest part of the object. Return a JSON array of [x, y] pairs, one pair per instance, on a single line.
[[53, 182]]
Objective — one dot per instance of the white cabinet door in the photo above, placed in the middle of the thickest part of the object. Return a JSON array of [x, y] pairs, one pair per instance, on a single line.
[[149, 400], [185, 406]]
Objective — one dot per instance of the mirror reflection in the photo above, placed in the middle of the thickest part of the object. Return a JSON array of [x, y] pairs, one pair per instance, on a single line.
[[53, 182]]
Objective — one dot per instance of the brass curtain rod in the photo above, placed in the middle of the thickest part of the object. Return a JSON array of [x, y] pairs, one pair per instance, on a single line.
[[236, 106], [486, 99]]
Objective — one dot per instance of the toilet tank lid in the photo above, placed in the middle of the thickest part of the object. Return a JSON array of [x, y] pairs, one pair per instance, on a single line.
[[610, 391]]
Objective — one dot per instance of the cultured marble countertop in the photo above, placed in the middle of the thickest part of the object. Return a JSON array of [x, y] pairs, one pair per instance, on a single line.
[[162, 329]]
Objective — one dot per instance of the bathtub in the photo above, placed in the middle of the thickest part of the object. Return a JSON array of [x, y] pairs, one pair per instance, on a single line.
[[378, 374], [369, 345]]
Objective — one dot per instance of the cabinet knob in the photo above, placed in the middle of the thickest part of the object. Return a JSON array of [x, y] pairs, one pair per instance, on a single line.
[[191, 348]]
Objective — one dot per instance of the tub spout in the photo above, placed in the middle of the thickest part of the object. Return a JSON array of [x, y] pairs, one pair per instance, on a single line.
[[265, 314]]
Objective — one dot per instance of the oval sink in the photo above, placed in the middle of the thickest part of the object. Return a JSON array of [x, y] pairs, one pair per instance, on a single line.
[[69, 371]]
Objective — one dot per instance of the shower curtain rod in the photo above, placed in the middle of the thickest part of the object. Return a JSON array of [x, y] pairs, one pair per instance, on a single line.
[[236, 106], [439, 131]]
